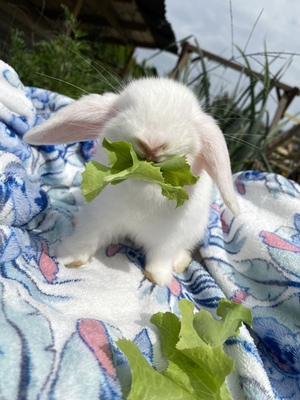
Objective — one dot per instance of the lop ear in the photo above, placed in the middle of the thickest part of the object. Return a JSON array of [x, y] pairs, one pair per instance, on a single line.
[[214, 158], [78, 121]]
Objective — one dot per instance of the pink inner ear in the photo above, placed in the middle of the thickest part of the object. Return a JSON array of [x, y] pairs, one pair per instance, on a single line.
[[214, 159], [79, 121]]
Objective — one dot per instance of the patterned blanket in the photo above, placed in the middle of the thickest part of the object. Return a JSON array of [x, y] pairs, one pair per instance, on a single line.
[[58, 326]]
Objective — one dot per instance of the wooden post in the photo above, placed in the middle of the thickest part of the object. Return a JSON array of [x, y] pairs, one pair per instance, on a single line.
[[284, 101], [182, 60], [125, 69]]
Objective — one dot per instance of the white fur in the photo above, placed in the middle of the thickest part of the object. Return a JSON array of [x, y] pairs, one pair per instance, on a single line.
[[160, 118]]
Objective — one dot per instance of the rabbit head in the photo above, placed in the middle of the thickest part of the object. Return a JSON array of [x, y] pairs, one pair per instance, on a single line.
[[159, 116]]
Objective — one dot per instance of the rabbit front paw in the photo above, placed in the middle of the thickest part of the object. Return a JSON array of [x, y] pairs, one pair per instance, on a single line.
[[159, 275], [71, 264], [182, 260], [161, 272], [70, 257]]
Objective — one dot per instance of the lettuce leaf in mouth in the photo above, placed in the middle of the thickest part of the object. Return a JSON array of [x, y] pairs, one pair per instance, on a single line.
[[197, 365], [171, 175]]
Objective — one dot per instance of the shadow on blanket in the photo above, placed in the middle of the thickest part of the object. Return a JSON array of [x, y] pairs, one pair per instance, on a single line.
[[59, 326]]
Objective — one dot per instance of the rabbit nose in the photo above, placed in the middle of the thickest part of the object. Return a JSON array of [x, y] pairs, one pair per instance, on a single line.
[[153, 153], [153, 156]]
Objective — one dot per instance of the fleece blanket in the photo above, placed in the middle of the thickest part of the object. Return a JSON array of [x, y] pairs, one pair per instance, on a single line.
[[58, 326]]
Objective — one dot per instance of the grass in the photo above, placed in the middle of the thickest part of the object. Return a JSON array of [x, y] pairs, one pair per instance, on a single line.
[[72, 65]]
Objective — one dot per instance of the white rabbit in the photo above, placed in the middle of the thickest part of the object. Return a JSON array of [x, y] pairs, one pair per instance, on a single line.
[[160, 118]]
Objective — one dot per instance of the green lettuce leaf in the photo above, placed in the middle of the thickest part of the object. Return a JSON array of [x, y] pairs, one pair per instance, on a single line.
[[197, 365], [147, 383], [216, 332], [124, 163]]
